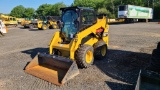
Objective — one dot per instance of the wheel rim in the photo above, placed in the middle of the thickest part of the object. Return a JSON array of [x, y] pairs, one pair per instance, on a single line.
[[89, 56], [103, 50], [44, 27]]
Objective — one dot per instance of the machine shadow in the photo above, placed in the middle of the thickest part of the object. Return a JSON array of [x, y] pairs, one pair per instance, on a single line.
[[35, 51], [23, 28], [35, 29], [122, 23], [42, 30], [119, 23], [123, 66], [119, 86]]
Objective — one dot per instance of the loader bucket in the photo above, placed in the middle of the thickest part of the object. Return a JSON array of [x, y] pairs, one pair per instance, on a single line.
[[52, 68], [148, 80]]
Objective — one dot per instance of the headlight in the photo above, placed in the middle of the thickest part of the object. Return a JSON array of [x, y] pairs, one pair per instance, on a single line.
[[105, 34]]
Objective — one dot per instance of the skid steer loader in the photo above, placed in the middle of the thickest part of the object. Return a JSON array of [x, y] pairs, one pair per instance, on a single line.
[[149, 78], [45, 22], [83, 37], [52, 22]]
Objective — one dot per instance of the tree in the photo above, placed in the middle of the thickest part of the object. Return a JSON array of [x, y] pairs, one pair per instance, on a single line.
[[84, 3], [88, 3], [105, 11], [44, 9], [101, 6], [28, 13], [55, 10], [17, 11]]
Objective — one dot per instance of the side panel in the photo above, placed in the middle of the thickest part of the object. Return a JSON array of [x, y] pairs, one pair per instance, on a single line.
[[136, 12], [139, 12]]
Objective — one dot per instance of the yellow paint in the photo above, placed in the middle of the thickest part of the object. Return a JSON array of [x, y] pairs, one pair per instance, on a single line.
[[50, 24], [89, 57], [75, 42], [39, 23], [24, 22], [8, 20]]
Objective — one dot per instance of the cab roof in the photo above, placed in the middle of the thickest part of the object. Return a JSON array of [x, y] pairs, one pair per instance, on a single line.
[[77, 7]]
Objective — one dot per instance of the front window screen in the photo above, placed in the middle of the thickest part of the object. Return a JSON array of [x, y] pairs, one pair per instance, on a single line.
[[68, 18], [88, 19], [122, 8]]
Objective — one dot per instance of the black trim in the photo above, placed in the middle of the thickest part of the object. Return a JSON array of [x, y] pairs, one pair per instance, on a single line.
[[81, 26], [85, 39], [85, 26], [87, 8], [80, 11]]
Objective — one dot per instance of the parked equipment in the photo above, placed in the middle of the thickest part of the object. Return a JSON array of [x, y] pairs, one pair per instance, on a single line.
[[26, 22], [3, 28], [52, 22], [9, 20], [83, 36], [132, 13], [19, 20], [45, 22], [149, 79]]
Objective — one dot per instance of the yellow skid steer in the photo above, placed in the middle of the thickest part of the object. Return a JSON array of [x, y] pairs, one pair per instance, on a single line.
[[83, 36]]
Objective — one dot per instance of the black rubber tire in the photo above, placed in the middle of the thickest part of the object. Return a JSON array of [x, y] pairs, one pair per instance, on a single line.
[[155, 65], [80, 55], [50, 27], [155, 59], [155, 56], [156, 53], [97, 50], [39, 28], [158, 46]]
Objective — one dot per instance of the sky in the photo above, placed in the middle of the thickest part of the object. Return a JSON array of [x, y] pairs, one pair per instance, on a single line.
[[7, 5]]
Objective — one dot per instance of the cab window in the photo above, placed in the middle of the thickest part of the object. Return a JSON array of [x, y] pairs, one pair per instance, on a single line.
[[88, 19]]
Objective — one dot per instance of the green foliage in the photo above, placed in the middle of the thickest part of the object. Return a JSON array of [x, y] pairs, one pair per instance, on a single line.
[[156, 14], [49, 9], [28, 12], [110, 7], [88, 3], [44, 9], [17, 11], [105, 11], [84, 3], [55, 10]]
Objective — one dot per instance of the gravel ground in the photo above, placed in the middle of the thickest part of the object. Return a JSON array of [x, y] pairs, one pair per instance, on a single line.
[[130, 48]]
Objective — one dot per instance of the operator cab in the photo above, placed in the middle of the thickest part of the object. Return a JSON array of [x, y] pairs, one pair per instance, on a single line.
[[74, 20]]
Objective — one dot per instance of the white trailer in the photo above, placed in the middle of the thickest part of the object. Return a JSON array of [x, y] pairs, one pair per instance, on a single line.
[[132, 13]]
